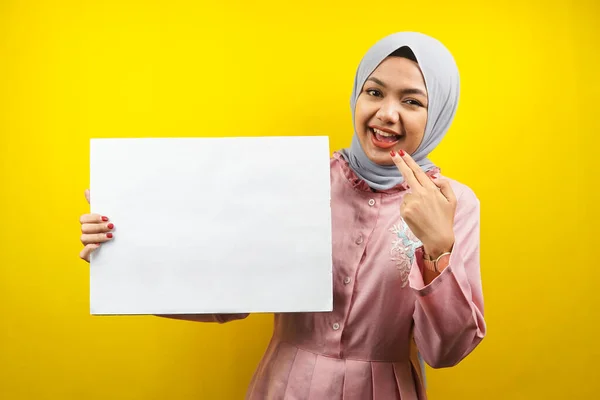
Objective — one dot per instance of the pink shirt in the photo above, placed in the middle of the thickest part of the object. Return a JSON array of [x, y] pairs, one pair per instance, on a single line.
[[363, 348]]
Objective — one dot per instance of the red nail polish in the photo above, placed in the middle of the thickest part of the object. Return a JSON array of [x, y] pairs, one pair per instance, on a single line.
[[433, 177], [110, 226], [104, 219], [392, 153], [109, 235], [401, 152]]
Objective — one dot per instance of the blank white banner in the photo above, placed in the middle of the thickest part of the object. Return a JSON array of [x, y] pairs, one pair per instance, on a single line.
[[212, 225]]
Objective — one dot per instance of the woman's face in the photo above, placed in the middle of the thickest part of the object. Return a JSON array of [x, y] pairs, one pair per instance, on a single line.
[[391, 110]]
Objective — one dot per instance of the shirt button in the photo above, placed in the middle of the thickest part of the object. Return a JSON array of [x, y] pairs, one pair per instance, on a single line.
[[359, 240], [371, 202], [336, 326], [347, 280]]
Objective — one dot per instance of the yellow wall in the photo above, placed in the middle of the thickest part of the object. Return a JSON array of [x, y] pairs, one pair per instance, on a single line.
[[525, 139]]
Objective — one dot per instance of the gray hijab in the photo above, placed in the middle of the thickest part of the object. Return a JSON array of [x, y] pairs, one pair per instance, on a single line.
[[442, 81]]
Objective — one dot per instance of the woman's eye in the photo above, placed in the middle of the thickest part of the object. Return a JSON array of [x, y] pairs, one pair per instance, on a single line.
[[413, 102], [373, 92]]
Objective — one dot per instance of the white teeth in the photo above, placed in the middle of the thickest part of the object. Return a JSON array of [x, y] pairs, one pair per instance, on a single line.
[[382, 133]]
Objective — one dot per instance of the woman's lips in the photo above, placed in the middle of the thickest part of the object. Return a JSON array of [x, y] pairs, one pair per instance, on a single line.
[[383, 142]]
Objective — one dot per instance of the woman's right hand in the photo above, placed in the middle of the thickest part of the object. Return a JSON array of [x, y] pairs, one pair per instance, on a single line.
[[95, 230]]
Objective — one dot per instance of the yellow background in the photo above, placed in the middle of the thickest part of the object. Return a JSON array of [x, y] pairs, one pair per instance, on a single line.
[[525, 139]]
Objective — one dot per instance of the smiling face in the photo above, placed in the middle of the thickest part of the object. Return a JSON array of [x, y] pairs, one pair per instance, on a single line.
[[391, 110]]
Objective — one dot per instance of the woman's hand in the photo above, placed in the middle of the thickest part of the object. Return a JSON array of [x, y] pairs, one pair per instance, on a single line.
[[429, 207], [95, 230]]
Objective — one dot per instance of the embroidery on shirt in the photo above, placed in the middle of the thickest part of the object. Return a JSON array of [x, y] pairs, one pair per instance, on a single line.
[[403, 249]]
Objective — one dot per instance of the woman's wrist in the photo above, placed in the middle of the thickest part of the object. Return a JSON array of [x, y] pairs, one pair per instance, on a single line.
[[436, 259], [434, 251]]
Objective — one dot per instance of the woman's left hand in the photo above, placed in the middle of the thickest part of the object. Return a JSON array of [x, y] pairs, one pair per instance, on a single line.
[[429, 207]]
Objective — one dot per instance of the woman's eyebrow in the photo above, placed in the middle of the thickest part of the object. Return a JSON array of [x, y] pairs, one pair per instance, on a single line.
[[377, 81], [403, 91]]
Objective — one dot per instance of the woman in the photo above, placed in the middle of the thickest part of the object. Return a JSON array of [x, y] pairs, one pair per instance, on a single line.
[[405, 245]]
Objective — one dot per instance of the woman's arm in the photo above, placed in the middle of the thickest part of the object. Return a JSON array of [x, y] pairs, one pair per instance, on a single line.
[[218, 318], [448, 316]]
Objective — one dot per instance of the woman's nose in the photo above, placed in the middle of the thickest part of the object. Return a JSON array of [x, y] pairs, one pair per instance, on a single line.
[[389, 113]]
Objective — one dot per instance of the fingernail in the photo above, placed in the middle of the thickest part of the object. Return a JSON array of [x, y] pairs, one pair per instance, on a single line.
[[104, 219], [392, 153], [97, 244], [401, 152], [110, 226], [109, 235], [433, 177]]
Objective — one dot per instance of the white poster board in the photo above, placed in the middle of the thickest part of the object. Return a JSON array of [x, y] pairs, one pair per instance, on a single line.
[[212, 225]]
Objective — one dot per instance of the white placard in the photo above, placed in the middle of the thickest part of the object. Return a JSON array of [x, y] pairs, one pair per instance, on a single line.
[[212, 225]]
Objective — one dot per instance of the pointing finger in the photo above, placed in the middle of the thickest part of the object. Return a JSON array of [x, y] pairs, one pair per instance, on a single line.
[[405, 170], [445, 189], [421, 176]]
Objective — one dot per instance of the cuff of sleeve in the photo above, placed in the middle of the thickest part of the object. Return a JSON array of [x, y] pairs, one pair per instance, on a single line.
[[455, 268], [219, 318], [224, 318]]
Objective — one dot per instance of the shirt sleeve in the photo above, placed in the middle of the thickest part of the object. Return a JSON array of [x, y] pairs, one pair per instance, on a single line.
[[448, 317], [218, 318]]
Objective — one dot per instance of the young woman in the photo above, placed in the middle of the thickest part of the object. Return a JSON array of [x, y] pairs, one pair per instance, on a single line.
[[405, 245]]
